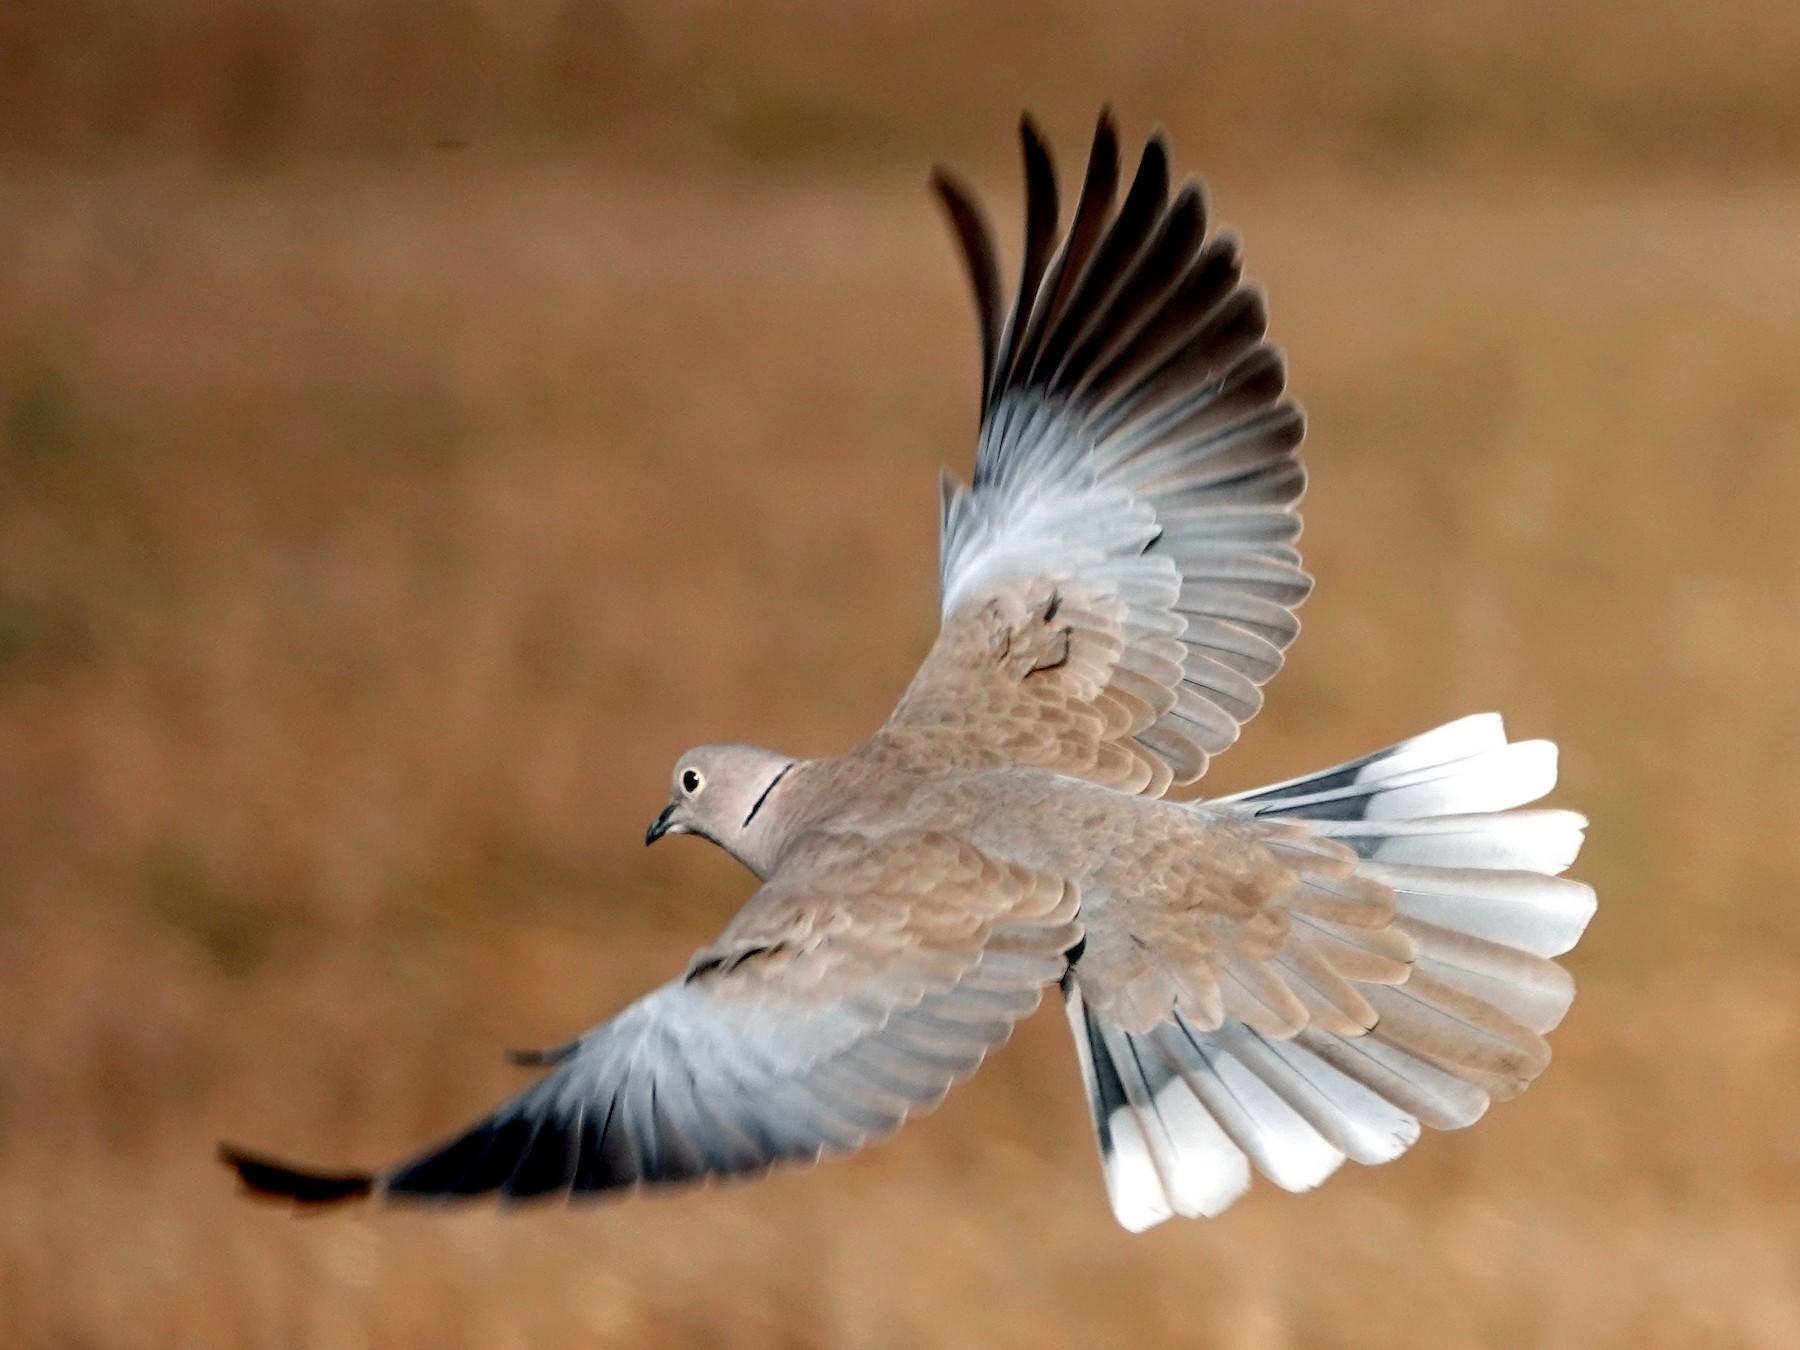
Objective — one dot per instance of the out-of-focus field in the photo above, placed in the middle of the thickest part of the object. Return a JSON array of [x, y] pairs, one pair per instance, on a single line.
[[420, 423]]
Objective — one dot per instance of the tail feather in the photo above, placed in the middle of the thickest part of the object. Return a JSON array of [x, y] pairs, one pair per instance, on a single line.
[[1526, 910], [1533, 991], [1213, 1170], [1452, 741], [1278, 1139], [1358, 1122], [1436, 1098], [1525, 841], [1435, 1023], [1478, 901], [1465, 767], [1185, 1140]]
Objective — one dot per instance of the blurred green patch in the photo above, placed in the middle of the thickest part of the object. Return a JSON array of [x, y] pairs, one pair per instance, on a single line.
[[256, 92], [237, 936], [38, 632], [1616, 857], [43, 419], [776, 126], [783, 126], [1418, 116], [516, 874], [1619, 860], [416, 415]]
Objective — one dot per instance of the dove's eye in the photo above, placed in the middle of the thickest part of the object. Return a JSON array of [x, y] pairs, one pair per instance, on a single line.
[[691, 781]]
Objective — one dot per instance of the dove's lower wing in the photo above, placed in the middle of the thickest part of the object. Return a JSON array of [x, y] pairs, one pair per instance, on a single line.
[[855, 988], [1120, 578]]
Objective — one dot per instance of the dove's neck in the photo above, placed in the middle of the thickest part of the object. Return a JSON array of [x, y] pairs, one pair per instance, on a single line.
[[770, 820]]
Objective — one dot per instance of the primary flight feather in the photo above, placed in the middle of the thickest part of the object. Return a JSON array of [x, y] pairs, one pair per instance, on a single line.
[[1276, 981]]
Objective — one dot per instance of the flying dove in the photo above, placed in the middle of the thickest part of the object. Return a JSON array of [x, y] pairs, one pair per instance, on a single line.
[[1274, 981]]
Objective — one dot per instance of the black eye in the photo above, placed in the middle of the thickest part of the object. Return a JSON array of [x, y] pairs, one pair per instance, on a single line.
[[690, 780]]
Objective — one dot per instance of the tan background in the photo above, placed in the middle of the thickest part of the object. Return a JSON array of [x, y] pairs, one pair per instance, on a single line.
[[420, 421]]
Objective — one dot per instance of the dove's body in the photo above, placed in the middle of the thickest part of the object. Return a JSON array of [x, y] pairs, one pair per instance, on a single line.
[[1284, 979], [1151, 875]]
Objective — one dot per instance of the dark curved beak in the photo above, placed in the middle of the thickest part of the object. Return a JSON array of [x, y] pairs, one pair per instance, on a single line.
[[660, 826]]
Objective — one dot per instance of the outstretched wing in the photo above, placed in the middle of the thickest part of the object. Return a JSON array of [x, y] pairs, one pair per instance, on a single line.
[[1120, 578], [862, 981]]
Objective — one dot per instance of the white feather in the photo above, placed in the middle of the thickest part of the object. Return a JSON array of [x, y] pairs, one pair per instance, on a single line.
[[1290, 1152], [1531, 841], [1360, 1123], [1435, 1097], [1541, 915], [1454, 740], [1472, 735], [1275, 1137], [1208, 1171], [1133, 1186], [1132, 1183], [1494, 780], [1539, 1004]]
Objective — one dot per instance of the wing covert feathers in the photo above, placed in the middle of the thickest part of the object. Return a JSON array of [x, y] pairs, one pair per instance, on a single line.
[[1419, 958], [1137, 461]]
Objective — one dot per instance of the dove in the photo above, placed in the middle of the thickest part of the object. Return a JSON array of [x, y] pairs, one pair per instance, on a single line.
[[1269, 982]]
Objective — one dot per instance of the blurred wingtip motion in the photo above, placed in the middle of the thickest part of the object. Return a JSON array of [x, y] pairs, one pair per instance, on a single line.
[[275, 1180]]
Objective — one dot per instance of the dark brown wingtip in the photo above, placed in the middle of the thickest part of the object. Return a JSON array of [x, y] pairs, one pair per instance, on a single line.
[[1040, 200], [975, 239], [277, 1181], [541, 1059], [1103, 156]]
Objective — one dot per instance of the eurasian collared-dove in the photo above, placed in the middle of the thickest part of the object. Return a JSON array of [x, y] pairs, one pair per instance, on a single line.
[[1282, 979]]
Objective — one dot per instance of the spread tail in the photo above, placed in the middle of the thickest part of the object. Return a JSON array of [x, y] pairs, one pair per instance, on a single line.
[[1184, 1112]]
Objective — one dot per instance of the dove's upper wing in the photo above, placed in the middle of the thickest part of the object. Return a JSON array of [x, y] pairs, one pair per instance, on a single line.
[[854, 988], [1120, 578]]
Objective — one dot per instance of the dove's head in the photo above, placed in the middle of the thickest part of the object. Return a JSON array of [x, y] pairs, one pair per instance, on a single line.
[[721, 792]]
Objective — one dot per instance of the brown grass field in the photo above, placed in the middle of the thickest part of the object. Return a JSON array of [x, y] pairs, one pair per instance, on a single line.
[[419, 422]]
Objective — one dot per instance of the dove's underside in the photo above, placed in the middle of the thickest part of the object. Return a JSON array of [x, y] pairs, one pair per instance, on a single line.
[[1279, 980]]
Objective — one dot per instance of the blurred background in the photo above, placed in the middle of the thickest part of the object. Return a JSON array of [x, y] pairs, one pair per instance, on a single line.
[[420, 421]]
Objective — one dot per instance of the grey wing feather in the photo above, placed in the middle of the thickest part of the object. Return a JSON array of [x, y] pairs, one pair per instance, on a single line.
[[862, 981], [682, 1086], [1135, 438], [855, 989]]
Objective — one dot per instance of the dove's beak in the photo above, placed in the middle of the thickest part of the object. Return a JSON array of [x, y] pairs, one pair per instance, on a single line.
[[660, 826]]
